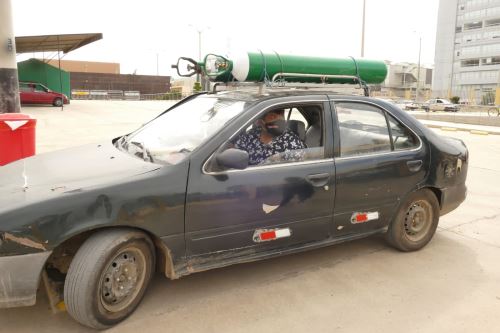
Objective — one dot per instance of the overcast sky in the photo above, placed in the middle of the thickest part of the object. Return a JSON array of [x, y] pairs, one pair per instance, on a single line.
[[136, 31]]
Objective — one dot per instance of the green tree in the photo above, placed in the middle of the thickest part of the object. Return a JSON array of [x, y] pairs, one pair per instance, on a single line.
[[197, 86], [488, 98]]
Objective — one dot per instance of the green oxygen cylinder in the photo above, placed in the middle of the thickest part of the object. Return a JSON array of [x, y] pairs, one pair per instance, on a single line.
[[259, 67]]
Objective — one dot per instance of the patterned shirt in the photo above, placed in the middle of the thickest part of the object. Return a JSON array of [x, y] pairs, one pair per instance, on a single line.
[[288, 143]]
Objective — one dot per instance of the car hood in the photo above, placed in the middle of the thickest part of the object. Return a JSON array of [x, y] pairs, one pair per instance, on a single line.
[[68, 171]]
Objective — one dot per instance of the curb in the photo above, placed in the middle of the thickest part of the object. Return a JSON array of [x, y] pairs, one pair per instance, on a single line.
[[479, 132], [455, 129]]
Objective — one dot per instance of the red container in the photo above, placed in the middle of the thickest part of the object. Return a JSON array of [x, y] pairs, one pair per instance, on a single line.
[[17, 137]]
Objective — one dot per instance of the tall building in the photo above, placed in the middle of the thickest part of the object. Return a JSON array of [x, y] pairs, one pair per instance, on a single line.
[[467, 58]]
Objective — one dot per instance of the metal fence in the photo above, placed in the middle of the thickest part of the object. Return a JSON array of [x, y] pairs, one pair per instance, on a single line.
[[79, 94]]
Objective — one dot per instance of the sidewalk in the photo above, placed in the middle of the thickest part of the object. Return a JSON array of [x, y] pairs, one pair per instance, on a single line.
[[474, 129]]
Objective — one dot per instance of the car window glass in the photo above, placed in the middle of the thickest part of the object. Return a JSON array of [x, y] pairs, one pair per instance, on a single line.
[[171, 137], [24, 87], [39, 88], [402, 137], [296, 115], [363, 129], [288, 147]]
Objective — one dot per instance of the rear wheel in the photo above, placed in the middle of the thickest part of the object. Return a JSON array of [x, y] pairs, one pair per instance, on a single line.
[[493, 112], [416, 221], [108, 277], [57, 102]]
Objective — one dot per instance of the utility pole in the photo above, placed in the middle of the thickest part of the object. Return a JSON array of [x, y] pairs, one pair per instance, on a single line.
[[9, 82], [363, 30], [199, 53], [418, 73]]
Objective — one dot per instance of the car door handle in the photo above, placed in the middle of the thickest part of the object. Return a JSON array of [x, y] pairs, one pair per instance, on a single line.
[[414, 166], [318, 179]]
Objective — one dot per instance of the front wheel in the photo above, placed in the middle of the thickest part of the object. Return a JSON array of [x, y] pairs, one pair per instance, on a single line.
[[416, 221], [108, 277], [493, 112], [57, 102]]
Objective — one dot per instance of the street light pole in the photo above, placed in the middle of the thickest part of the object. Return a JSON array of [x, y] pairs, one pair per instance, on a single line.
[[9, 87], [363, 30], [199, 52]]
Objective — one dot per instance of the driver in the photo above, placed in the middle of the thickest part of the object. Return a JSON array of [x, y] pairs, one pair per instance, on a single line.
[[271, 136]]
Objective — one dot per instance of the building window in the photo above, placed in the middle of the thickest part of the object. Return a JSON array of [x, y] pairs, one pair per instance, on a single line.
[[490, 61], [470, 63], [492, 23], [473, 25], [471, 50]]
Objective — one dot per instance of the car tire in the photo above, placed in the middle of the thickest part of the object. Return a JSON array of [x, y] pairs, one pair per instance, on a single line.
[[57, 102], [415, 222], [108, 277], [493, 112]]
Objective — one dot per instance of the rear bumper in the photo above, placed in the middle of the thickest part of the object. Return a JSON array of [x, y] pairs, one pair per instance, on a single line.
[[452, 197], [19, 278]]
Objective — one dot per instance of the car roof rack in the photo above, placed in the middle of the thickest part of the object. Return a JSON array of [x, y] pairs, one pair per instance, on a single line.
[[279, 82]]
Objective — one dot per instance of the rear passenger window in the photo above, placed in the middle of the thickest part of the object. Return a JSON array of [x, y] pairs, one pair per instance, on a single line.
[[402, 137], [363, 129]]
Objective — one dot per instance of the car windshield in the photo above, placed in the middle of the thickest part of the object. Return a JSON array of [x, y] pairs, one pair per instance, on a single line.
[[171, 137]]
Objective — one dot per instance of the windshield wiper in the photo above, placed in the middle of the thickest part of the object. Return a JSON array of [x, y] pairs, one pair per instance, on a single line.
[[146, 155]]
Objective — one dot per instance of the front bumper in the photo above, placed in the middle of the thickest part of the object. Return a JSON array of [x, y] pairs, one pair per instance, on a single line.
[[19, 278]]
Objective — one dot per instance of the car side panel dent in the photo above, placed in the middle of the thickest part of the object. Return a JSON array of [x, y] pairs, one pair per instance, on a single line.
[[153, 202]]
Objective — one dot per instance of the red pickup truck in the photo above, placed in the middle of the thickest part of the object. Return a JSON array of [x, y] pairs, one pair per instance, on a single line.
[[36, 93]]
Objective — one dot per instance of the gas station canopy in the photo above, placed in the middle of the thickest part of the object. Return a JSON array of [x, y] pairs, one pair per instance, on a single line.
[[54, 43]]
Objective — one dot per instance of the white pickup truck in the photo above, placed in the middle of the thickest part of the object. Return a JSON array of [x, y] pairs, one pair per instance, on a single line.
[[440, 104]]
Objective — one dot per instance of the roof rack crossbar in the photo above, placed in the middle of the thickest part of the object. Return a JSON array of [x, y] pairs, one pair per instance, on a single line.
[[323, 77], [281, 83]]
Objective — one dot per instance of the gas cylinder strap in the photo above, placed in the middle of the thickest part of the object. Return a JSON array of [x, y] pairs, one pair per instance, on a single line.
[[264, 76], [360, 81]]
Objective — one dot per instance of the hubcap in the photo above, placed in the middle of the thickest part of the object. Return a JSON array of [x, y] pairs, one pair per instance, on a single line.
[[418, 220], [122, 280]]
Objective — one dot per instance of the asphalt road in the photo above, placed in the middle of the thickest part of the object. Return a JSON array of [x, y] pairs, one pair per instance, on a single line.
[[362, 286]]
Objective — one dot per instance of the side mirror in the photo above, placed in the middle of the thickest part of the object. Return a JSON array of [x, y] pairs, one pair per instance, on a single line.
[[233, 158]]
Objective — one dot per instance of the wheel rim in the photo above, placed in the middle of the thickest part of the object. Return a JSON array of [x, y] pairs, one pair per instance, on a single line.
[[418, 220], [122, 279], [58, 102]]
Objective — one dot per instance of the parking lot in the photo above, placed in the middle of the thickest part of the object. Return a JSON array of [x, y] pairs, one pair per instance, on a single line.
[[361, 286]]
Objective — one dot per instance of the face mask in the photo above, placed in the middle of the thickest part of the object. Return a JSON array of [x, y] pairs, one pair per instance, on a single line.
[[276, 127]]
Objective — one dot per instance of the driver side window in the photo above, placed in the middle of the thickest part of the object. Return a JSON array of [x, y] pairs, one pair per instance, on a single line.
[[285, 134]]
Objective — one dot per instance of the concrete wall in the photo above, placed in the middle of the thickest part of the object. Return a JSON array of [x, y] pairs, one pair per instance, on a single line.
[[146, 84]]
